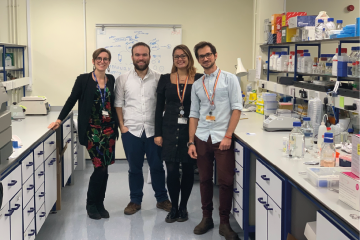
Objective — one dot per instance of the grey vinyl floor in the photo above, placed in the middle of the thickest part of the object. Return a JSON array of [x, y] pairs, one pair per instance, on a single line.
[[72, 221]]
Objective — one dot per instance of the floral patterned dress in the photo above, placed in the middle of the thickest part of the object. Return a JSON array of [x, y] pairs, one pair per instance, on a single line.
[[100, 132]]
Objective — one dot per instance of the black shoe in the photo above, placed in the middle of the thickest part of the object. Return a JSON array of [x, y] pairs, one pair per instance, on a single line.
[[102, 211], [172, 216], [183, 215], [92, 211]]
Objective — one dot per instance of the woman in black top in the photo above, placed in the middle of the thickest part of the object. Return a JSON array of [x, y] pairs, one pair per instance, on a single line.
[[98, 126], [172, 129]]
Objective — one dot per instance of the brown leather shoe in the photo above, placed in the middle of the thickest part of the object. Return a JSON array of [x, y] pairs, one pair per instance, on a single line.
[[205, 225], [226, 231], [132, 208], [165, 205]]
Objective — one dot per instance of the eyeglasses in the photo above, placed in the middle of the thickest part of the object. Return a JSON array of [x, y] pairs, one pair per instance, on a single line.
[[202, 57], [99, 59], [182, 56]]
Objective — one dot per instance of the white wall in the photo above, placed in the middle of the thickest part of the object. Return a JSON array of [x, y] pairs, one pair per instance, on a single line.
[[58, 35]]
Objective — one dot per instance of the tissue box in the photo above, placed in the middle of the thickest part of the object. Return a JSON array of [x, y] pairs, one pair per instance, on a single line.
[[273, 18], [278, 23], [287, 34], [302, 21], [291, 15], [355, 155], [278, 37], [349, 191]]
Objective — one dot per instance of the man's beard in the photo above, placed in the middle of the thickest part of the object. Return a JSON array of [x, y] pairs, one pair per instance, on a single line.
[[209, 66], [137, 67]]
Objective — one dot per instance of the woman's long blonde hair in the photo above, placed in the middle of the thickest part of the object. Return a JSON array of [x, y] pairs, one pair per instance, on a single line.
[[190, 67]]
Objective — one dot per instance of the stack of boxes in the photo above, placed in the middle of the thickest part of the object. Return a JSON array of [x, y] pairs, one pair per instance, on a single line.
[[287, 32], [349, 190], [260, 104]]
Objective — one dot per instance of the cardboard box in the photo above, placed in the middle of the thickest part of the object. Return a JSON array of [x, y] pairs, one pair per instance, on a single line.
[[273, 29], [291, 15], [273, 18], [349, 190], [278, 23], [302, 21], [287, 34], [278, 37], [355, 155], [283, 22]]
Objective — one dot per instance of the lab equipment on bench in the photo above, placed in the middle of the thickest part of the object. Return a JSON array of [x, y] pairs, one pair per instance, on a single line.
[[17, 112], [36, 105], [296, 141], [281, 121]]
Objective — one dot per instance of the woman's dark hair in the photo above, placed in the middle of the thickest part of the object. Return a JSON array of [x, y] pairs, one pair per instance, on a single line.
[[100, 50]]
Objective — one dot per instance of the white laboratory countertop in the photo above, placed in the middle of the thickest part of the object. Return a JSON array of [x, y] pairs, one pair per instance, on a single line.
[[269, 146], [29, 130]]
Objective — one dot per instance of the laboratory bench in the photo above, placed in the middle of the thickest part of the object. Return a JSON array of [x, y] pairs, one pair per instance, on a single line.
[[272, 195], [32, 178]]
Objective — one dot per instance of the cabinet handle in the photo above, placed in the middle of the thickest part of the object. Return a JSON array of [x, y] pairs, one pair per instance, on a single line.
[[40, 153], [31, 210], [69, 140], [75, 142], [41, 174], [75, 163], [42, 194], [235, 210], [261, 200], [237, 171], [236, 150], [42, 214], [75, 131], [266, 206], [75, 152], [51, 162], [16, 207], [9, 213], [30, 164], [13, 182], [235, 190], [31, 187], [32, 233], [52, 142], [67, 125], [265, 178]]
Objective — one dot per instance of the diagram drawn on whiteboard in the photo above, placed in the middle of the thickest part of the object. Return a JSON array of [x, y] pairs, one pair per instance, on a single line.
[[119, 41]]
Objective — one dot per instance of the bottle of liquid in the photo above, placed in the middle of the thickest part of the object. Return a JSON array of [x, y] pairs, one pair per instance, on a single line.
[[276, 56], [307, 63], [291, 61], [336, 131], [352, 59], [299, 63], [308, 131], [322, 64], [328, 154], [335, 60], [319, 30], [343, 61], [322, 130], [315, 65], [330, 25], [271, 61], [315, 113], [350, 131], [296, 141], [328, 69], [277, 64], [339, 24], [281, 61]]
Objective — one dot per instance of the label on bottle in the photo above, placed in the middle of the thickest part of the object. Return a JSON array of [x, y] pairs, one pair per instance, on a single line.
[[349, 69], [358, 149]]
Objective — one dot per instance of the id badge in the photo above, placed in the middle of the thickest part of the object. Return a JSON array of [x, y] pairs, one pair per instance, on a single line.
[[210, 118], [105, 113], [182, 120]]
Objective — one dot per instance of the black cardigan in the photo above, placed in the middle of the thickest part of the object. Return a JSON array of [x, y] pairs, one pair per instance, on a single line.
[[83, 91]]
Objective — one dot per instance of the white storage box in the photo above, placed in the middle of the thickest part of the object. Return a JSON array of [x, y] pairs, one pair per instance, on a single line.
[[269, 96], [349, 191], [325, 176], [355, 155]]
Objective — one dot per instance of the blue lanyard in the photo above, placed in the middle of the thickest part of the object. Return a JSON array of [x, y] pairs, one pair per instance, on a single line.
[[102, 96]]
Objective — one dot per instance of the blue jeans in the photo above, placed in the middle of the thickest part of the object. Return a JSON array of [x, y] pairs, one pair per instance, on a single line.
[[135, 149]]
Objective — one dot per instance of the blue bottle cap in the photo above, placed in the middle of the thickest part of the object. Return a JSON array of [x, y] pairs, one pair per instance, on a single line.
[[306, 119], [306, 50], [328, 140], [330, 19], [328, 135], [339, 21], [283, 53], [296, 124], [306, 54], [266, 61], [320, 21], [350, 130]]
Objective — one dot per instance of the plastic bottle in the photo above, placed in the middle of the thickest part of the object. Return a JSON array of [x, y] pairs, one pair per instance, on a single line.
[[320, 134], [328, 154], [298, 55], [330, 25], [352, 59], [336, 131], [281, 61], [291, 61], [350, 131], [277, 63], [339, 24], [315, 65], [274, 63], [335, 60], [357, 69], [271, 61], [299, 63], [307, 63], [315, 113], [296, 141], [308, 131], [319, 30], [322, 64], [328, 69]]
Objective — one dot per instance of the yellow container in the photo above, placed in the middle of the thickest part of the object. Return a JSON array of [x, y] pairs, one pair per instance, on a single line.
[[260, 109], [260, 101], [252, 97], [283, 23]]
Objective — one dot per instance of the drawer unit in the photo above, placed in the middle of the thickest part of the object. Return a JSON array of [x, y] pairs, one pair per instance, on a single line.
[[49, 146], [38, 156], [27, 167], [39, 197], [238, 213], [5, 136], [29, 213], [30, 232], [6, 151], [39, 176], [239, 174], [11, 184], [5, 222], [28, 190], [239, 154], [50, 183], [66, 127], [261, 219], [274, 220], [16, 217], [5, 120], [268, 181], [40, 218], [238, 194], [325, 230]]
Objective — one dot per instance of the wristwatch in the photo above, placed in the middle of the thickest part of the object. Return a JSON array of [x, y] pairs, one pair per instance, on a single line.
[[190, 143]]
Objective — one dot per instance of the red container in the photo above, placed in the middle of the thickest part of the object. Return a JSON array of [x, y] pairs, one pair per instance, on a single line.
[[278, 37], [293, 14], [278, 23]]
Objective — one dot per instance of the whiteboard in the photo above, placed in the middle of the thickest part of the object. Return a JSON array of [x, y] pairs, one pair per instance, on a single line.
[[119, 41]]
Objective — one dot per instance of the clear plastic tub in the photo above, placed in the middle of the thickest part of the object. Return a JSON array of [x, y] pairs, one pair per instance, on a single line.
[[270, 105], [269, 96], [325, 176]]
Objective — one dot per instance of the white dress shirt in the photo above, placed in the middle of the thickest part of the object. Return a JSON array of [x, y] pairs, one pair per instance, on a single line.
[[137, 98]]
